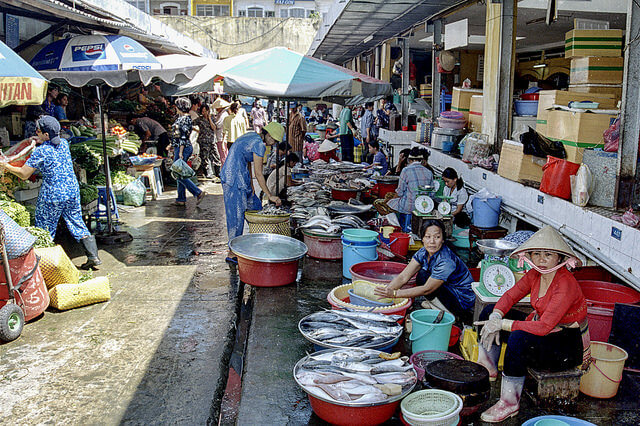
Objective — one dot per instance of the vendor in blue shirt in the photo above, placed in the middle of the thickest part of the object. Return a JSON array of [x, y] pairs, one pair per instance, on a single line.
[[443, 278], [379, 159]]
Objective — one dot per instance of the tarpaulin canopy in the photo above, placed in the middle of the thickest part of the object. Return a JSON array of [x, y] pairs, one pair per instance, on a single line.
[[20, 84], [112, 60], [282, 73]]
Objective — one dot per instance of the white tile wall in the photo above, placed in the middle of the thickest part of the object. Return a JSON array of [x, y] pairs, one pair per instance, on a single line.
[[591, 227]]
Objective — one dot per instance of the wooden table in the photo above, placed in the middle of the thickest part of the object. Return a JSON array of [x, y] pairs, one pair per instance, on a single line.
[[476, 233]]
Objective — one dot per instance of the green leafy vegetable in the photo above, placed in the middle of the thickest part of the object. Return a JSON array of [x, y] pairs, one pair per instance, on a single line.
[[43, 238]]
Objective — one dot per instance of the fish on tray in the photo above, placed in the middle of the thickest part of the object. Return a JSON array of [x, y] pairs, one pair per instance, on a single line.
[[355, 376]]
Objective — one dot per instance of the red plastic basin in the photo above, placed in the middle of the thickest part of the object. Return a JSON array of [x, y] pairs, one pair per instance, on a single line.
[[353, 416], [378, 272], [327, 248], [263, 274], [530, 96], [343, 195], [601, 298]]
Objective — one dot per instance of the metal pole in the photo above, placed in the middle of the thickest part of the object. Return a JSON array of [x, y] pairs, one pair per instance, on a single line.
[[505, 77], [278, 161], [629, 126], [435, 75], [105, 158], [405, 82]]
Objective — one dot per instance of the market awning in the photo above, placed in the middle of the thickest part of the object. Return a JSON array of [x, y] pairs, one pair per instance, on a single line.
[[355, 26], [113, 60], [20, 84], [282, 73]]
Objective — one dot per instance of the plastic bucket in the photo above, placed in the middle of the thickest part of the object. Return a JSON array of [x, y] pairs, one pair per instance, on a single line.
[[399, 243], [386, 231], [605, 372], [486, 213], [601, 298], [352, 254], [323, 247], [447, 146], [425, 335], [359, 236], [556, 179]]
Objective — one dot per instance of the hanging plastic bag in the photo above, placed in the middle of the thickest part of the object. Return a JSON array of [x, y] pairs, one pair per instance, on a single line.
[[612, 137], [537, 145], [134, 193], [581, 186], [181, 170]]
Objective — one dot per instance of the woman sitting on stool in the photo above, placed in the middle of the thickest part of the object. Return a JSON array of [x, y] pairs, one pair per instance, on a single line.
[[454, 187], [443, 278], [554, 337]]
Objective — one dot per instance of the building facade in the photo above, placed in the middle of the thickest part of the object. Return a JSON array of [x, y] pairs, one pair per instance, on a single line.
[[238, 8]]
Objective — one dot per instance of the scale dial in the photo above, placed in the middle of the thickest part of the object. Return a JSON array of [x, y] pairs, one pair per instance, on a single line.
[[498, 278], [444, 208], [424, 204]]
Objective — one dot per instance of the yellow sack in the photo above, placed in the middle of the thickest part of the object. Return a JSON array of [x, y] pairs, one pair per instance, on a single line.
[[365, 289], [56, 267], [69, 296]]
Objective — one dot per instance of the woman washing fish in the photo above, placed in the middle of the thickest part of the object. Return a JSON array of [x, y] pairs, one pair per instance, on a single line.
[[236, 177], [443, 278], [554, 337]]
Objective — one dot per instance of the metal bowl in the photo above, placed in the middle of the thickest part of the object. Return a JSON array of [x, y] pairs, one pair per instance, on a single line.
[[268, 248], [496, 247]]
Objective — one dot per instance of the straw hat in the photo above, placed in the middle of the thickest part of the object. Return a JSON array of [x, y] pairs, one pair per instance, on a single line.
[[327, 146], [447, 60], [275, 130], [332, 126], [547, 239], [220, 103]]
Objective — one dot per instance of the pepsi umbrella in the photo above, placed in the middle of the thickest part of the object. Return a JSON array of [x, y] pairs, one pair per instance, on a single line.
[[112, 60], [20, 84]]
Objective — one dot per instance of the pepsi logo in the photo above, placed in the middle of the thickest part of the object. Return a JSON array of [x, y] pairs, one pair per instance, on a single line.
[[88, 52], [128, 48]]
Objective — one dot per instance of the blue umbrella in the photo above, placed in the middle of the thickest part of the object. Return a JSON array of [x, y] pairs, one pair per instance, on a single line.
[[20, 84]]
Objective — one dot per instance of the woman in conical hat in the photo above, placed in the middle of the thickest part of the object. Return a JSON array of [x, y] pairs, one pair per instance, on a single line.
[[554, 337]]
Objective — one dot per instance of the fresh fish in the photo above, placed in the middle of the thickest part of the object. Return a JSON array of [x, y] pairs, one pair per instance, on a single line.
[[330, 378], [404, 379], [369, 316], [371, 398], [388, 368], [325, 333], [363, 378], [335, 392]]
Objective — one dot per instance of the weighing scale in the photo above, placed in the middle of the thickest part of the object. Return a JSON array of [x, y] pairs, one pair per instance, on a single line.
[[425, 204], [498, 273]]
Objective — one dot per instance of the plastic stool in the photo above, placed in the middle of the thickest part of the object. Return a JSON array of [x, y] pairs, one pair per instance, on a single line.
[[150, 176], [101, 212]]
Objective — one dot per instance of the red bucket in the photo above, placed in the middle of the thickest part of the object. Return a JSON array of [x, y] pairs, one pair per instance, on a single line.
[[385, 187], [399, 243], [34, 296], [601, 298], [353, 416], [263, 274], [323, 247], [555, 177]]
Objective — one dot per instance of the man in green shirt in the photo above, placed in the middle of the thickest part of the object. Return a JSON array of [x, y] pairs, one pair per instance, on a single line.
[[347, 128]]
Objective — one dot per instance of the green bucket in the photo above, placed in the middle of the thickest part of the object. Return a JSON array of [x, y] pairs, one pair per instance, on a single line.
[[359, 236], [425, 335]]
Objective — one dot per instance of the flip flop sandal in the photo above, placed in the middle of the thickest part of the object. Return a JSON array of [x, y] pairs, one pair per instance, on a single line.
[[233, 260]]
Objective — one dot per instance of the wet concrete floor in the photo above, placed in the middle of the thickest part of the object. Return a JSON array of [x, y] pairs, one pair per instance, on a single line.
[[271, 396], [156, 352]]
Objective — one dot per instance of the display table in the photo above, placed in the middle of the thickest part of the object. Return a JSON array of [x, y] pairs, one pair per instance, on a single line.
[[484, 298], [476, 233]]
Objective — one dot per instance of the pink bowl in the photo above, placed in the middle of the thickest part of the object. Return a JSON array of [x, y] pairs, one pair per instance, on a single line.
[[452, 123]]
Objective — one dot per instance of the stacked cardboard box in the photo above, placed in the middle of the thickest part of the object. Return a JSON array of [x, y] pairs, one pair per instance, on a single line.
[[517, 166], [597, 65], [548, 98], [461, 100], [475, 113]]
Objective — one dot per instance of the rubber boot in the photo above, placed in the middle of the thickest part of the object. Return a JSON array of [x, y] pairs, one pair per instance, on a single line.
[[509, 403], [489, 360], [91, 251]]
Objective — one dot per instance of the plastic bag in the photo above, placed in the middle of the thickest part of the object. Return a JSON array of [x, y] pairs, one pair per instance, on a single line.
[[483, 194], [581, 186], [612, 136], [181, 170], [539, 146], [134, 193]]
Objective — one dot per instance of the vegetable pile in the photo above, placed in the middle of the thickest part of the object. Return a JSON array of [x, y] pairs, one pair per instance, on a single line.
[[88, 193], [15, 211], [43, 238], [85, 157]]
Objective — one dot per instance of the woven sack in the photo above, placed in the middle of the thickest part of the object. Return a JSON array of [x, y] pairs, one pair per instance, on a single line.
[[69, 296], [18, 241], [56, 267]]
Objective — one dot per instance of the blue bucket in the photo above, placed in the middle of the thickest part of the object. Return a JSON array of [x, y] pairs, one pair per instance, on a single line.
[[425, 335], [352, 254], [486, 213], [447, 146], [359, 236]]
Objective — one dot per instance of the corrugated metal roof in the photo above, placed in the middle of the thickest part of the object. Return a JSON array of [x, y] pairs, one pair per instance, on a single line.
[[349, 23]]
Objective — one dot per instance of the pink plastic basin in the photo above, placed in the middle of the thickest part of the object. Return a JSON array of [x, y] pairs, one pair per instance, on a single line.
[[379, 272]]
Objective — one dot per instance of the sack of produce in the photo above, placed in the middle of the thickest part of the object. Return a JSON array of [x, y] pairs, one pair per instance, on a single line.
[[181, 170], [134, 193], [56, 267], [17, 240], [69, 296]]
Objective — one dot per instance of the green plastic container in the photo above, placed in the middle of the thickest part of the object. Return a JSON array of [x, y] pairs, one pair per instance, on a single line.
[[359, 236], [425, 335]]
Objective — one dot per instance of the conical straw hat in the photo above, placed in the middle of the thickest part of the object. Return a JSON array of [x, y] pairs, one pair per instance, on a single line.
[[220, 103], [447, 60], [327, 146], [547, 239]]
